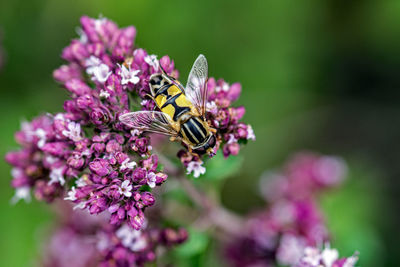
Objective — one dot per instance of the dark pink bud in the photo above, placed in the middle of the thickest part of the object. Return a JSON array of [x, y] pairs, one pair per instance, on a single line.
[[147, 198], [47, 192], [76, 51], [113, 146], [89, 29], [167, 64], [114, 219], [161, 177], [241, 131], [223, 118], [139, 174], [132, 212], [77, 87], [97, 49], [136, 196], [150, 163], [113, 208], [71, 108], [136, 222], [98, 147], [141, 145], [17, 158], [100, 116], [138, 56], [85, 102], [55, 148], [237, 113], [120, 157], [211, 84], [75, 161], [99, 167], [234, 92], [121, 213], [20, 181], [67, 72]]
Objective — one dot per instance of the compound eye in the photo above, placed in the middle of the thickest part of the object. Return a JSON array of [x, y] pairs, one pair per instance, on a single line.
[[212, 141], [201, 150]]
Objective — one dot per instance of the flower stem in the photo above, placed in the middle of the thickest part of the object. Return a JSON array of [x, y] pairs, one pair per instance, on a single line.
[[214, 212]]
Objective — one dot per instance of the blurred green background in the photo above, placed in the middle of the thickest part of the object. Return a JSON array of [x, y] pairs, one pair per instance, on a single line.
[[316, 75]]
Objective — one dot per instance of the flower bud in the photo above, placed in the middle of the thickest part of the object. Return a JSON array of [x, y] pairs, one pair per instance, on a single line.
[[99, 167]]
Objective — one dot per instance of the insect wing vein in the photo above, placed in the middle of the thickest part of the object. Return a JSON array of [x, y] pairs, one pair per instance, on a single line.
[[150, 121], [196, 88]]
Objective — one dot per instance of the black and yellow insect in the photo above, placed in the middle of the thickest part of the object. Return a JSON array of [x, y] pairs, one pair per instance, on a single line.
[[182, 110]]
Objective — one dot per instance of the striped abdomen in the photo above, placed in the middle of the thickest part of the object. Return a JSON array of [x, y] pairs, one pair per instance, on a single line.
[[193, 129]]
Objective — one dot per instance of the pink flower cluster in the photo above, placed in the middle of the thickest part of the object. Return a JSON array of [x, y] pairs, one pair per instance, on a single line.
[[292, 222], [83, 240], [226, 119], [326, 257], [85, 154]]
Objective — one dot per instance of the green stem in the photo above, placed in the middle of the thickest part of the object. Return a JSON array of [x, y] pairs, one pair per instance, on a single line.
[[215, 213]]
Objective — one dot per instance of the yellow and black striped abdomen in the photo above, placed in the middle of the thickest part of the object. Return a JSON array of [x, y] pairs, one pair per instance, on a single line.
[[194, 130], [171, 100]]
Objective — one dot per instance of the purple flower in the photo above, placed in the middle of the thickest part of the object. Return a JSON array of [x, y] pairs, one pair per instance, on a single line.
[[196, 167], [106, 76], [100, 167], [327, 257], [292, 222], [85, 240], [125, 189]]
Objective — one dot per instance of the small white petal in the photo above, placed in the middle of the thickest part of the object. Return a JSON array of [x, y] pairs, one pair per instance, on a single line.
[[131, 238], [21, 193], [196, 167], [232, 139], [15, 172], [71, 194], [135, 132], [56, 176], [128, 75], [73, 131], [329, 256], [125, 183], [82, 35], [151, 179], [104, 94], [80, 182], [125, 188], [80, 205], [126, 164], [250, 133], [152, 61]]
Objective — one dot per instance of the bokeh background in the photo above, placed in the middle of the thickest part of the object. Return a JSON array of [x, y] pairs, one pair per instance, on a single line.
[[316, 75]]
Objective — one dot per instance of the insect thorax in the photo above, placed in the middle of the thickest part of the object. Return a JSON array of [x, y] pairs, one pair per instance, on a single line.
[[169, 98]]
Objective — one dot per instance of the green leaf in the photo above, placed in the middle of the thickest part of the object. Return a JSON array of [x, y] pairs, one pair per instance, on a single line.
[[160, 167], [144, 188], [219, 168], [196, 244]]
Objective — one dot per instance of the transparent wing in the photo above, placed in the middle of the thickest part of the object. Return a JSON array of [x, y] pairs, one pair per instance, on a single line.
[[196, 88], [149, 121]]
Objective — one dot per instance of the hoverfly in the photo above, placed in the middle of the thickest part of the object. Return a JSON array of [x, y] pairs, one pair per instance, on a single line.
[[183, 109]]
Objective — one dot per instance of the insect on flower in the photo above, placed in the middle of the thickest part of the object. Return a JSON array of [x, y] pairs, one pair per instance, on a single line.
[[183, 109]]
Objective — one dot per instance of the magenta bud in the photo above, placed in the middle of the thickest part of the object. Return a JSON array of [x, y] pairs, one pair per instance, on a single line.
[[55, 148], [99, 167], [147, 198], [77, 87], [234, 92]]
